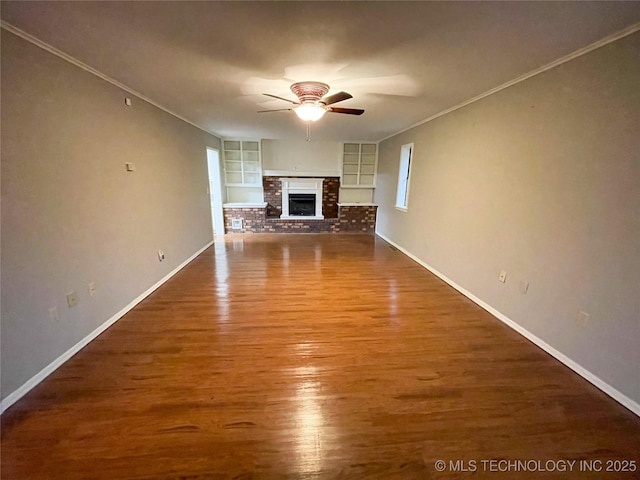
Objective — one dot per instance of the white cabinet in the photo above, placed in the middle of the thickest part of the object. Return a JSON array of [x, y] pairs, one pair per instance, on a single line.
[[359, 162], [242, 165]]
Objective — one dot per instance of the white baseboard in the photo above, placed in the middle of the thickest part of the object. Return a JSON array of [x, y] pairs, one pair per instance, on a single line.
[[16, 395], [576, 367]]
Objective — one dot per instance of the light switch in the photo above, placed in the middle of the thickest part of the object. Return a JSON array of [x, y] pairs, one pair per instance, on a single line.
[[72, 299]]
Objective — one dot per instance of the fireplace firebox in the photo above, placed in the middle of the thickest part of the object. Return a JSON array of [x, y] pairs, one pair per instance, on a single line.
[[302, 204]]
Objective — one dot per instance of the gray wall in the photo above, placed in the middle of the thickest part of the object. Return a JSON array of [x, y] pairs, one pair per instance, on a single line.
[[542, 180], [71, 214]]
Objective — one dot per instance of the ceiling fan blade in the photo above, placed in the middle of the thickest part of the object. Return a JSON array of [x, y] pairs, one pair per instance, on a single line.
[[336, 97], [278, 110], [348, 111], [281, 98]]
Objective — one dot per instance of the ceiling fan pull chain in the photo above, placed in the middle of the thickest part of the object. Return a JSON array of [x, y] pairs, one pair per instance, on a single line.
[[308, 131]]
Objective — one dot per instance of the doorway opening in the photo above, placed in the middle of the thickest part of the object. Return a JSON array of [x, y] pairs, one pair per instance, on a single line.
[[215, 191]]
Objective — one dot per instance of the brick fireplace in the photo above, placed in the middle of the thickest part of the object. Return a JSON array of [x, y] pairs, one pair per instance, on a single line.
[[267, 216], [273, 195]]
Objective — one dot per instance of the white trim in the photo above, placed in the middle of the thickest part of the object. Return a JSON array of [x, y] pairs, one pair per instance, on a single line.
[[404, 176], [576, 367], [300, 217], [578, 53], [245, 205], [295, 173], [58, 53], [214, 170], [295, 186], [357, 204], [17, 394]]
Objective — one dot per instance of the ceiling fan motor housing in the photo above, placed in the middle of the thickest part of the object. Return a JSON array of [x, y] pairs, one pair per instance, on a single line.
[[309, 92]]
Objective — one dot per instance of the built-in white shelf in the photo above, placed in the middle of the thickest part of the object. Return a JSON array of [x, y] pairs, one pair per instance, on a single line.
[[245, 205], [359, 162], [242, 163], [357, 204]]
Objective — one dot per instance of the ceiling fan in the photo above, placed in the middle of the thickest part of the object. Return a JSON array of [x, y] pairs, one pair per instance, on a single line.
[[312, 103]]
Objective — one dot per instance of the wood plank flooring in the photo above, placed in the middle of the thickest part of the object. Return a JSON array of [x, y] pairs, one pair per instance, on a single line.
[[312, 357]]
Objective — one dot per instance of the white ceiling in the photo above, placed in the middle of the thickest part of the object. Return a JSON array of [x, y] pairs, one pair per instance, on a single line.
[[403, 62]]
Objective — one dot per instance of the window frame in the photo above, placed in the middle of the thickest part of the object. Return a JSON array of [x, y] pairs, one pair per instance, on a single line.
[[404, 177]]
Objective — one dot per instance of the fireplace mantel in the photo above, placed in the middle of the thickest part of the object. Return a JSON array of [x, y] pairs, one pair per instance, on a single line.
[[301, 185]]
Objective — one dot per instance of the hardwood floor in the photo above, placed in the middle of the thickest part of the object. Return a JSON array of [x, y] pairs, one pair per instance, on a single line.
[[312, 356]]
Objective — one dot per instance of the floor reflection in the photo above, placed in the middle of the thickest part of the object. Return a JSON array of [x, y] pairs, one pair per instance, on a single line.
[[238, 244], [393, 297], [309, 422], [317, 257], [222, 279], [285, 259]]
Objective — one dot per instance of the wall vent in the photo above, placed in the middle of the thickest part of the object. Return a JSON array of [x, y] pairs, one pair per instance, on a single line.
[[236, 224]]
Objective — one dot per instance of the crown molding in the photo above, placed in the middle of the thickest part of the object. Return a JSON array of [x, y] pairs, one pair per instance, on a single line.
[[578, 53], [45, 46], [567, 58]]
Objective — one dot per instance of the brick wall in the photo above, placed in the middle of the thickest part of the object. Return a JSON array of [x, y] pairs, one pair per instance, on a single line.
[[330, 190], [357, 218], [351, 219], [273, 196], [252, 218], [277, 225]]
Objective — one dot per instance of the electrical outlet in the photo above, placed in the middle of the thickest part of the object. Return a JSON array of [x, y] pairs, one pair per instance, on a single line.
[[582, 318], [53, 313], [503, 276], [160, 255], [92, 289], [72, 299]]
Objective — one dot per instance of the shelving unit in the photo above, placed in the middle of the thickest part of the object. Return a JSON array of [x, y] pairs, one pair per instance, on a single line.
[[242, 163], [242, 169], [359, 165]]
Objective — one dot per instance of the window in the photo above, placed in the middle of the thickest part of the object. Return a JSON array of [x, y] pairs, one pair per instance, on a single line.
[[402, 197]]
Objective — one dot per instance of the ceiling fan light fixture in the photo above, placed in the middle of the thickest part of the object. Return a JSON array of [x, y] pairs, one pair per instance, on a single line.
[[310, 112], [313, 103]]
